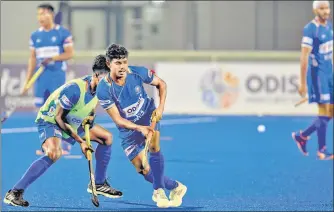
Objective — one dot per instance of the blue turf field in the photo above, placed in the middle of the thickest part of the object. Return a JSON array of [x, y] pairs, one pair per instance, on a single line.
[[225, 162]]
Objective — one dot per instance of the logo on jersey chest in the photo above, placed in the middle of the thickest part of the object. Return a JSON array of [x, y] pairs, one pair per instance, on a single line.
[[137, 89], [133, 109], [53, 39]]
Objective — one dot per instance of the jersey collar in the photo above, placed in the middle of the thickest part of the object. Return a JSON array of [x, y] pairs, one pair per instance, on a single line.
[[56, 26]]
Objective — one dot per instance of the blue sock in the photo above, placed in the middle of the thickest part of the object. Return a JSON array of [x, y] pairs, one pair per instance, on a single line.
[[321, 131], [36, 169], [169, 183], [157, 167], [102, 156], [312, 128]]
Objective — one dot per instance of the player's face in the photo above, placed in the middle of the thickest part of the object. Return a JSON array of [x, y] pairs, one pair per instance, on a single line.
[[119, 67], [323, 11], [44, 17]]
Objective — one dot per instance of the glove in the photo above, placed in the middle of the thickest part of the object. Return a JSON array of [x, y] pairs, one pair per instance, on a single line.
[[89, 120]]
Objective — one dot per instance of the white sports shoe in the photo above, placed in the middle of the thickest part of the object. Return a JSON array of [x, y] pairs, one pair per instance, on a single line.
[[159, 196], [177, 194]]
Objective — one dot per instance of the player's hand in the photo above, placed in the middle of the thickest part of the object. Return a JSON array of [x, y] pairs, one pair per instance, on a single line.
[[302, 90], [145, 130], [46, 61], [89, 120], [157, 114], [85, 148]]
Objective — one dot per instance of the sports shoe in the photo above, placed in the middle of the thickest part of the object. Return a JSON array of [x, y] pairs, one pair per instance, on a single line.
[[176, 195], [323, 154], [301, 142], [15, 197], [106, 190], [159, 196]]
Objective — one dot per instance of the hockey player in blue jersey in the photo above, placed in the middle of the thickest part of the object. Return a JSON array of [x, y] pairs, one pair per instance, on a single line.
[[51, 45], [317, 76], [122, 95]]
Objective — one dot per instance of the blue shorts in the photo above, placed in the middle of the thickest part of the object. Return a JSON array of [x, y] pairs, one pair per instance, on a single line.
[[135, 143], [320, 86], [47, 130], [46, 84]]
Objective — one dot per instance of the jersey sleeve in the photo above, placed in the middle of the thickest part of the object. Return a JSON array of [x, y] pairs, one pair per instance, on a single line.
[[307, 40], [145, 74], [104, 97], [69, 96], [67, 38]]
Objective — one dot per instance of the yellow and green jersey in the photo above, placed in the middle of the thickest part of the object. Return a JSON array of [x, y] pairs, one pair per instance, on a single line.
[[74, 96]]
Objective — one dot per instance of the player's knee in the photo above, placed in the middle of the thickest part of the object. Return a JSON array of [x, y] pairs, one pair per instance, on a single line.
[[154, 148], [108, 139], [143, 171], [52, 148], [138, 164], [54, 153]]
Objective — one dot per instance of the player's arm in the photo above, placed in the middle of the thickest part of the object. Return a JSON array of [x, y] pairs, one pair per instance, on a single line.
[[162, 88], [68, 97], [67, 55], [149, 77], [61, 121], [68, 48], [304, 61], [31, 64], [120, 121], [306, 48]]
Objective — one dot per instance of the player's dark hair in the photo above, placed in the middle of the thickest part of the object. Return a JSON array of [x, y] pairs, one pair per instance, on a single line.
[[99, 64], [46, 6], [116, 51]]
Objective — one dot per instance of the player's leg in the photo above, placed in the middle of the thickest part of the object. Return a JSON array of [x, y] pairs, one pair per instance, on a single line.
[[157, 164], [326, 113], [302, 136], [146, 170], [319, 92], [51, 138], [322, 131], [133, 148], [102, 155]]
